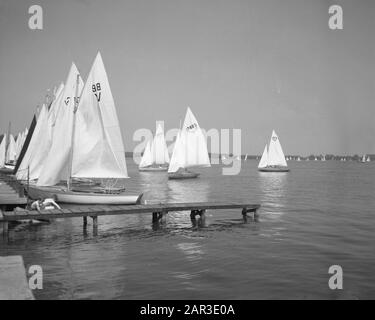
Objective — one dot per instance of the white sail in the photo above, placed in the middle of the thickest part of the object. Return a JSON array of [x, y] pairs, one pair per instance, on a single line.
[[264, 159], [364, 158], [57, 162], [368, 159], [159, 147], [246, 157], [275, 153], [2, 151], [195, 142], [147, 158], [98, 149], [11, 152], [178, 156], [43, 147], [39, 131]]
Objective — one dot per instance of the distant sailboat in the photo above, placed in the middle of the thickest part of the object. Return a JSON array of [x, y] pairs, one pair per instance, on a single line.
[[246, 157], [298, 159], [156, 156], [273, 159], [93, 147], [368, 159], [323, 158], [190, 150]]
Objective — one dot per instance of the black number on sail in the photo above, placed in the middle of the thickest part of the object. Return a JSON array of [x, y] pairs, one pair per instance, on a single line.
[[67, 100], [96, 88], [191, 127]]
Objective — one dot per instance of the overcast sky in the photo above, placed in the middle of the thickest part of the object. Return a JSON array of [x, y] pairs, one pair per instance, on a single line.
[[256, 65]]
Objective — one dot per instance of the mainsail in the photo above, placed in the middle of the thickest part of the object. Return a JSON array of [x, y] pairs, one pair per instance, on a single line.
[[159, 147], [275, 153], [37, 136], [147, 158], [11, 152], [190, 148], [264, 160], [178, 159], [56, 164], [98, 149], [2, 151]]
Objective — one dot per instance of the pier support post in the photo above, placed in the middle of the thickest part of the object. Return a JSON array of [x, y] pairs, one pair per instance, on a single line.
[[95, 222], [4, 227], [157, 216], [194, 213], [244, 214], [84, 222]]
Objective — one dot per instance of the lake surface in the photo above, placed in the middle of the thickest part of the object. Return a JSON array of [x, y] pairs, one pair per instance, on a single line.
[[319, 214]]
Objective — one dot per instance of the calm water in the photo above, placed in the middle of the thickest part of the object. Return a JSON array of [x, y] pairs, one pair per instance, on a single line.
[[318, 215]]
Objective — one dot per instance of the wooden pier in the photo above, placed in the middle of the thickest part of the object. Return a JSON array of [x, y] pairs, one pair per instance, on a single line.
[[157, 211], [11, 193], [13, 282]]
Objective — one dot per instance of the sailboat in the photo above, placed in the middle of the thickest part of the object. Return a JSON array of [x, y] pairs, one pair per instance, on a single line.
[[190, 150], [8, 152], [155, 157], [88, 144], [363, 159], [246, 157], [368, 159], [299, 159], [323, 158], [273, 159]]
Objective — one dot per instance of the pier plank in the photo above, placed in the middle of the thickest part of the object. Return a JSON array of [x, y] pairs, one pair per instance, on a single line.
[[125, 209]]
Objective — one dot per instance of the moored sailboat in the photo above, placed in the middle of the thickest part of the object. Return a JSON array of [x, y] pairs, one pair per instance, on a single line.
[[87, 144], [190, 150], [155, 156], [273, 159]]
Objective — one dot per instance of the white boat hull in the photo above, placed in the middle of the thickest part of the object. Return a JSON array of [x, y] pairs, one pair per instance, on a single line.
[[65, 196], [153, 169], [183, 175]]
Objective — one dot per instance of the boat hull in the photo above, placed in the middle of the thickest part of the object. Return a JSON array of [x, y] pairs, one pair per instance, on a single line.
[[182, 175], [65, 196], [274, 169], [6, 170], [153, 169]]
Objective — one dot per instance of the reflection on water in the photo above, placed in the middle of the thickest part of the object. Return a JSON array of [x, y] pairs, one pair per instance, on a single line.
[[189, 190], [155, 186], [274, 188]]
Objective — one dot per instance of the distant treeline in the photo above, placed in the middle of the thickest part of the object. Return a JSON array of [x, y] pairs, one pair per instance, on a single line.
[[355, 157]]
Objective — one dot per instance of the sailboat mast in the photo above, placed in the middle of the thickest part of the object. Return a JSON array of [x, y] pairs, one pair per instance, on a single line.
[[73, 133]]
